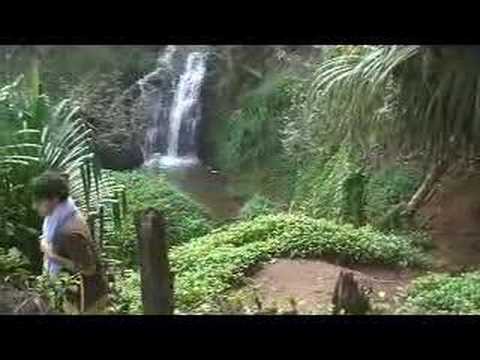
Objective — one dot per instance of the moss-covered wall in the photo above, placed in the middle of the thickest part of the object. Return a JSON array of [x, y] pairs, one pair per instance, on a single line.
[[236, 71]]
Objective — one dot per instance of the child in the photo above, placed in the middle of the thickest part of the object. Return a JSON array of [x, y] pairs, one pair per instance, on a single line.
[[67, 244]]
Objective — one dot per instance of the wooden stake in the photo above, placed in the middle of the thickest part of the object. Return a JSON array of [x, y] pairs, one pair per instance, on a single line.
[[349, 295], [156, 278]]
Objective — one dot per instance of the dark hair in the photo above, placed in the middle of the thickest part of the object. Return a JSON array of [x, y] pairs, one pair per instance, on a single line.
[[50, 185]]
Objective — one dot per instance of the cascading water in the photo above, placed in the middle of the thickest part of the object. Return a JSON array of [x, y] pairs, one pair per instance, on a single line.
[[176, 108], [156, 92], [186, 109], [172, 105]]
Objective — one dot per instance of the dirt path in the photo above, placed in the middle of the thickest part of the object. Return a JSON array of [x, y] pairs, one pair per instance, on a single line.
[[311, 284]]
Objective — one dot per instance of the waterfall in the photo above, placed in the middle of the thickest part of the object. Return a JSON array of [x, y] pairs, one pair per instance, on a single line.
[[175, 107], [186, 108], [155, 89]]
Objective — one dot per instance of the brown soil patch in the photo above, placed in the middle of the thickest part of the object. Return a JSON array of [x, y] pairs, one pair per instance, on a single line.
[[311, 283], [454, 214]]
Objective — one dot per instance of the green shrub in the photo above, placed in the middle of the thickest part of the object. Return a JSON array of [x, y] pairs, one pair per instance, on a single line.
[[65, 66], [338, 186], [54, 290], [444, 293], [257, 205], [206, 267], [251, 135], [250, 139], [12, 261], [303, 137], [278, 182], [332, 187], [387, 188], [210, 265], [185, 218], [127, 297], [274, 181]]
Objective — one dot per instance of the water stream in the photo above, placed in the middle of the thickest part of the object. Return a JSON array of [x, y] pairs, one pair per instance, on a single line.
[[174, 94], [171, 142]]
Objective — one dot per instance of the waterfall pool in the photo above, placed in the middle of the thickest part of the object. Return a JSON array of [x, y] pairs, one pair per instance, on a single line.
[[171, 141], [206, 186]]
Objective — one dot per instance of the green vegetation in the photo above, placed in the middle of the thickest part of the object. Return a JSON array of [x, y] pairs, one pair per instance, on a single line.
[[256, 206], [53, 290], [445, 294], [12, 261], [386, 189], [248, 140], [127, 294], [249, 135], [62, 67], [332, 188], [41, 137], [294, 131], [397, 95], [186, 219], [208, 266], [334, 156]]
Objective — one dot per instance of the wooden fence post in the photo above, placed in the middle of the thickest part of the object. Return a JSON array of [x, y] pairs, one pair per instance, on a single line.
[[156, 278], [349, 295]]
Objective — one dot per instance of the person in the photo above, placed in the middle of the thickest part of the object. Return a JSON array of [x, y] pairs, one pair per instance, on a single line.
[[67, 244]]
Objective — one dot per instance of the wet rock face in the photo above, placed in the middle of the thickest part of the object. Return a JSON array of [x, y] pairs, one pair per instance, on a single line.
[[119, 152], [231, 72]]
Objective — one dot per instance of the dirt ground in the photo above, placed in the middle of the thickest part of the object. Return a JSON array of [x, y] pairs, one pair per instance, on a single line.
[[311, 283], [454, 226]]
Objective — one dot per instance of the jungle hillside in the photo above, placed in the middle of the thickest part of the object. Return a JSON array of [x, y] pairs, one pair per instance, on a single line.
[[288, 179]]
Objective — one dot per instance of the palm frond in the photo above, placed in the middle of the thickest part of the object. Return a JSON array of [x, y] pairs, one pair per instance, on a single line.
[[436, 104], [50, 137]]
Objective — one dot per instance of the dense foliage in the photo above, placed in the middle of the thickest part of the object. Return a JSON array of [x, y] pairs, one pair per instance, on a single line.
[[256, 206], [445, 294], [332, 188], [185, 218], [208, 266], [63, 67], [386, 188], [12, 261], [323, 151], [250, 134], [311, 167], [43, 137], [409, 98]]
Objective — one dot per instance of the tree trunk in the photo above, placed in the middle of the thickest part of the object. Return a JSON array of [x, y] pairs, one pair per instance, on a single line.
[[437, 170], [38, 53], [349, 296], [35, 76], [156, 278]]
